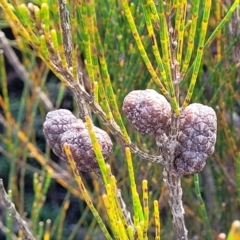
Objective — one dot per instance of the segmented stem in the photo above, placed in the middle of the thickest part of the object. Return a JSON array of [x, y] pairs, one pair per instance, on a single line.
[[191, 37], [203, 209], [222, 23], [167, 58], [155, 47], [156, 220], [180, 19], [197, 61], [141, 48], [145, 207], [138, 212], [84, 191]]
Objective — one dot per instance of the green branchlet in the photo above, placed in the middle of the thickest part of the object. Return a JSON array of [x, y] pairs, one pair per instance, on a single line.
[[47, 38]]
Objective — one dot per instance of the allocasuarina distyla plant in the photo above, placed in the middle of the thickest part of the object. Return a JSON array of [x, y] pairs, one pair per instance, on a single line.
[[185, 133]]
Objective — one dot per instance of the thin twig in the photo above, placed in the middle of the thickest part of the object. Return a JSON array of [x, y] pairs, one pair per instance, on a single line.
[[122, 204], [6, 230], [66, 31], [10, 207], [81, 96], [68, 46], [20, 69], [111, 124]]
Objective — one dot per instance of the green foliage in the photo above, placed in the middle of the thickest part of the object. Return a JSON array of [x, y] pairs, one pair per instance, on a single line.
[[118, 46]]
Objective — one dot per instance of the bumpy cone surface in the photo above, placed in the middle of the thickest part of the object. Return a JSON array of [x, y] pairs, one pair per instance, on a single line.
[[82, 150], [196, 138], [61, 126], [147, 111], [57, 122]]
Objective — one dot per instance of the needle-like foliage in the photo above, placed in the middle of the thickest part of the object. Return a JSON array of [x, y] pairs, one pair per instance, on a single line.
[[96, 53]]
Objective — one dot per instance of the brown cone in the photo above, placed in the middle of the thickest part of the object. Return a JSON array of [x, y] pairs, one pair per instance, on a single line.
[[82, 150], [196, 138], [61, 126], [57, 122], [147, 111]]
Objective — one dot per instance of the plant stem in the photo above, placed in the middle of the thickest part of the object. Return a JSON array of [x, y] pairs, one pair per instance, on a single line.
[[8, 205], [66, 31], [173, 183], [203, 208]]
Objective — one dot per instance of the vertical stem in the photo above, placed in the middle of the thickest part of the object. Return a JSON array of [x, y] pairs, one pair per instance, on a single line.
[[200, 48], [157, 220], [141, 48], [145, 208], [173, 183], [192, 32], [203, 208], [66, 31]]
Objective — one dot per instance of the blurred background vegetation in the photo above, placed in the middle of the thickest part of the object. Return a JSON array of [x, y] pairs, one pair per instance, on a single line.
[[49, 199]]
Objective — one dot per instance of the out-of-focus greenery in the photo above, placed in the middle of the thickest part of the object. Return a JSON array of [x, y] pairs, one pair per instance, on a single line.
[[43, 188]]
